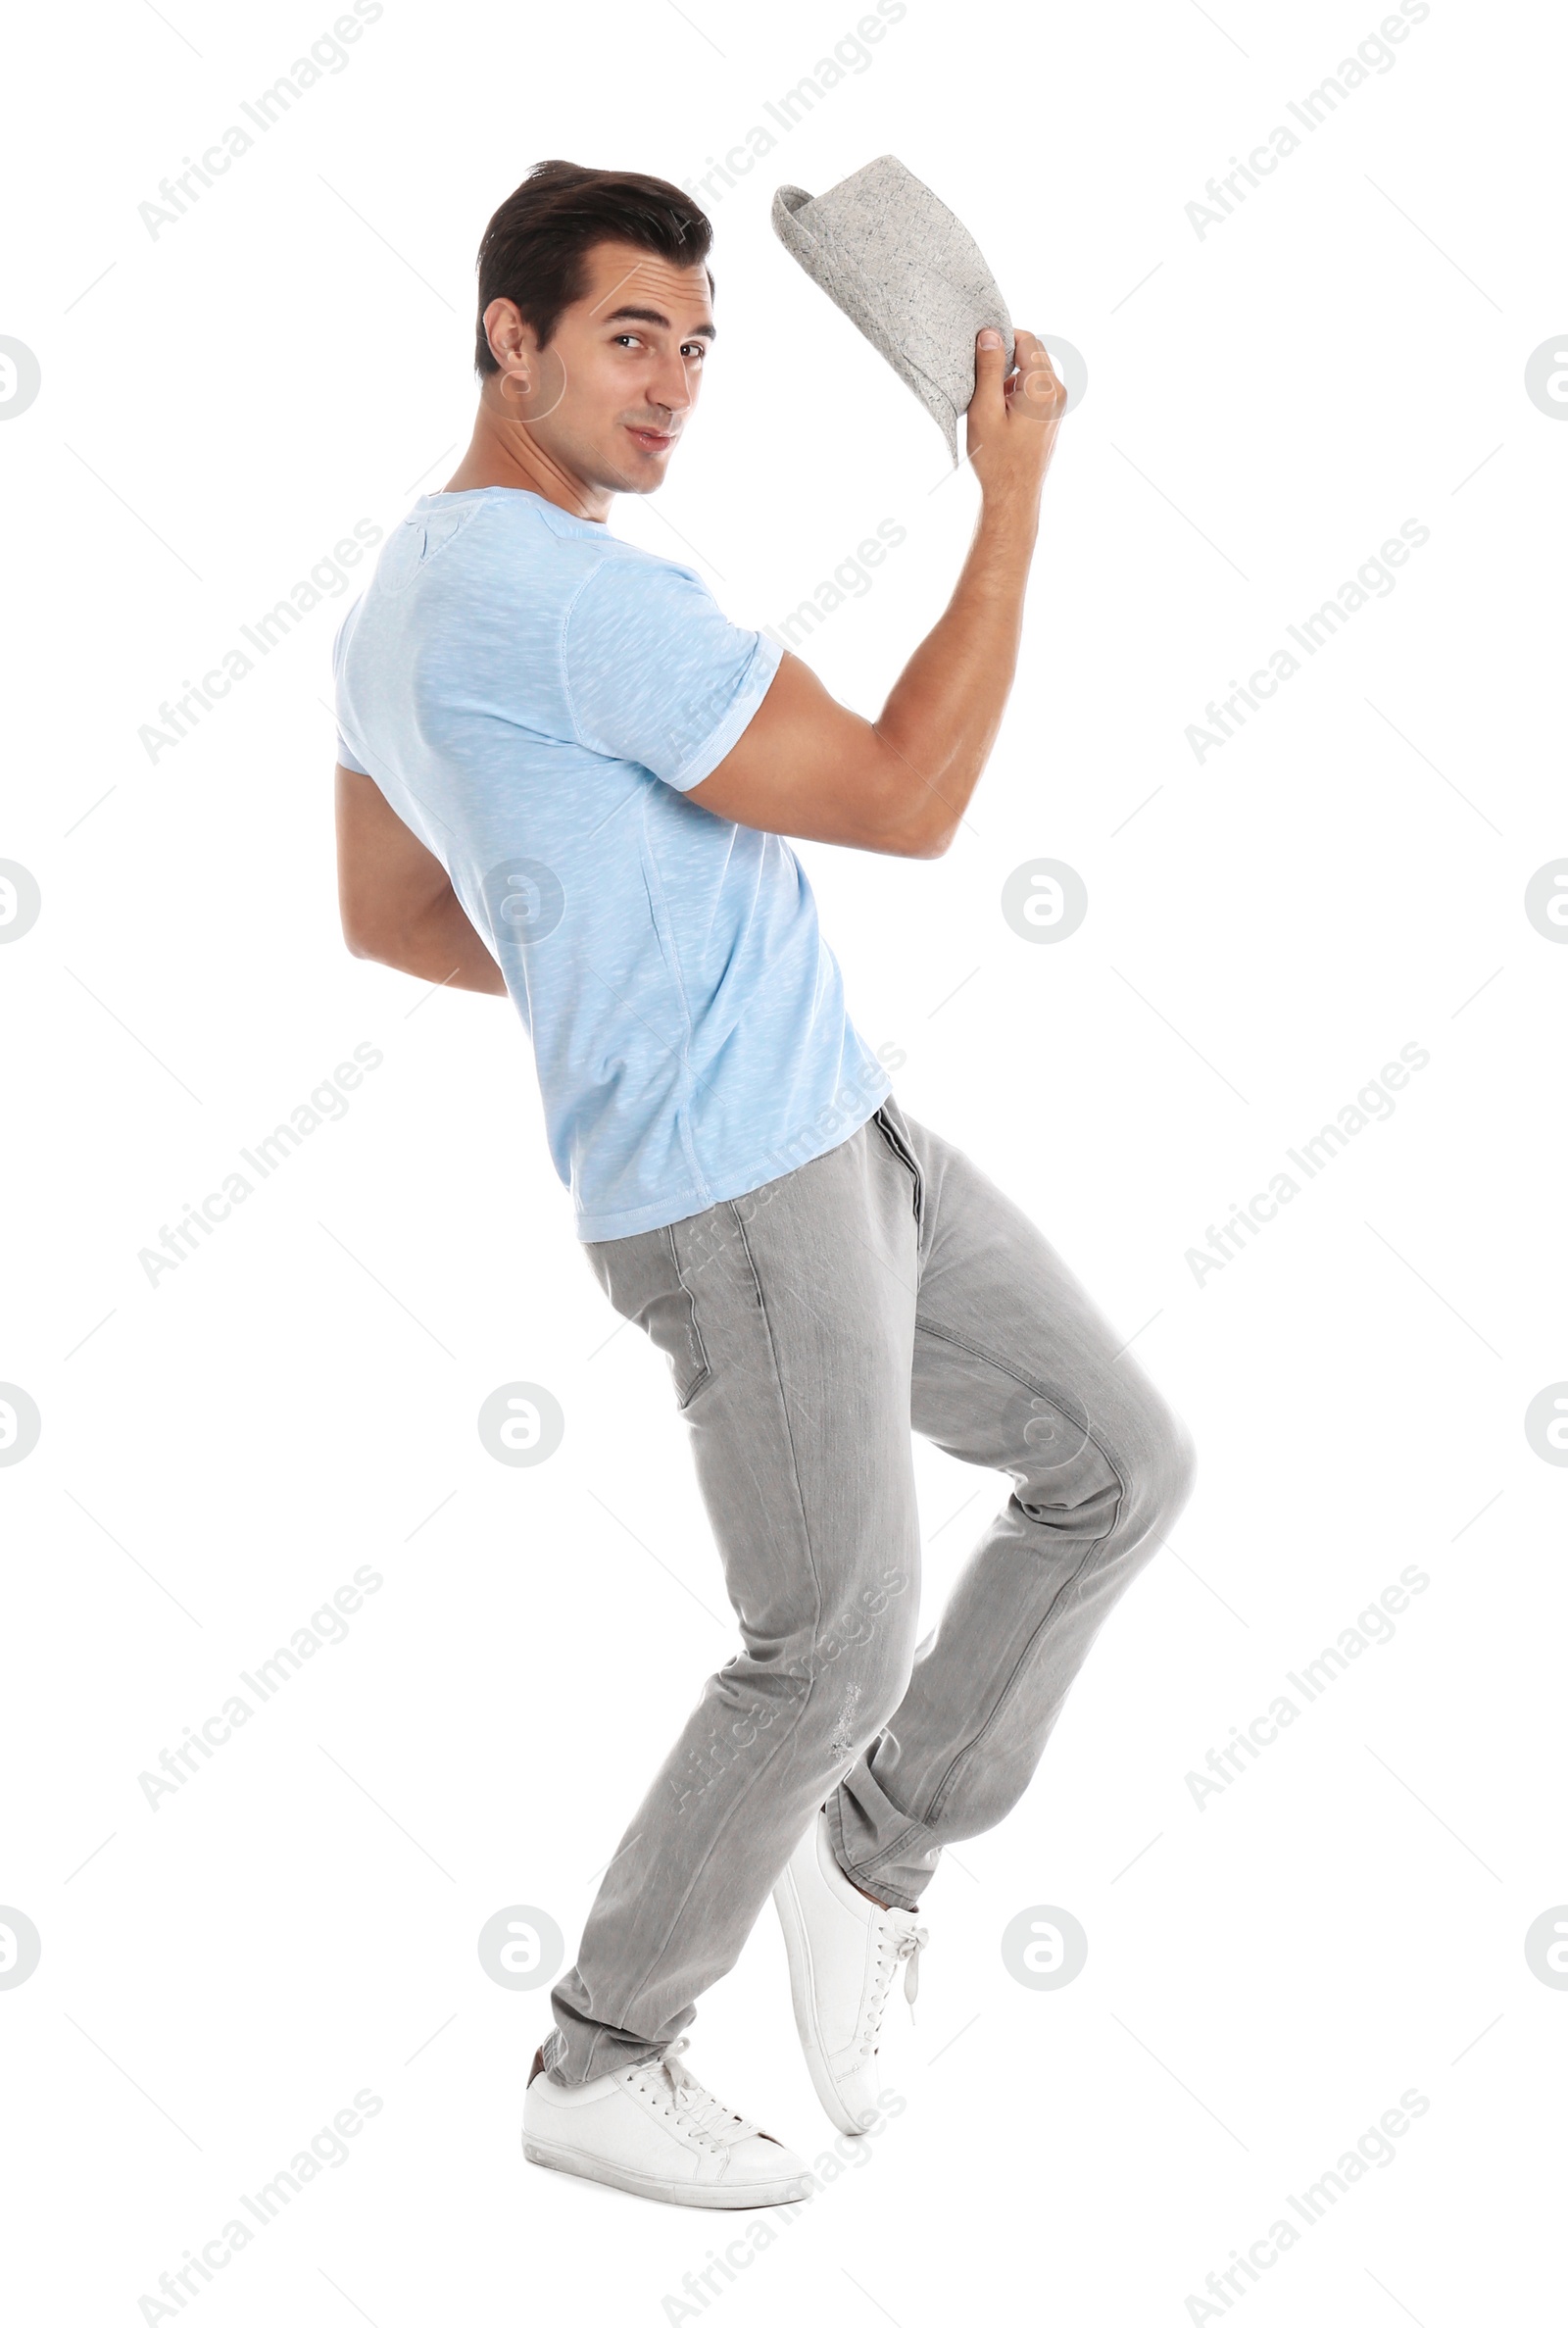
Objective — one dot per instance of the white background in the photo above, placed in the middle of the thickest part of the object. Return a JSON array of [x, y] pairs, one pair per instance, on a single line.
[[1266, 404]]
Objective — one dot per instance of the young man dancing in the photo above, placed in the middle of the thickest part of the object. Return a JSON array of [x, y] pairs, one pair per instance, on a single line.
[[563, 776]]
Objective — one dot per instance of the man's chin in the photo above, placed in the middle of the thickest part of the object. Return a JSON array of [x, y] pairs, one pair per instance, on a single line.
[[640, 476], [644, 457]]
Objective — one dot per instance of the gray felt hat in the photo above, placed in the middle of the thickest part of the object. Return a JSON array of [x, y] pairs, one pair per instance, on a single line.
[[906, 271]]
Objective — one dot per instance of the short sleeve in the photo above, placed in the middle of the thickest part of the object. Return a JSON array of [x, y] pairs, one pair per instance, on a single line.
[[346, 758], [656, 673]]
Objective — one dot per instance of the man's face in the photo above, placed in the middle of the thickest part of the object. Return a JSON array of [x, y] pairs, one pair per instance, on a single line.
[[609, 397]]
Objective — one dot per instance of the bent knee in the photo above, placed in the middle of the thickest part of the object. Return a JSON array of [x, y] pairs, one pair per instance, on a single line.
[[1166, 1469]]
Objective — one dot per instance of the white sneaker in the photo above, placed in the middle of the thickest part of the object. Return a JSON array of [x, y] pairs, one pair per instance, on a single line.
[[843, 1951], [655, 2130]]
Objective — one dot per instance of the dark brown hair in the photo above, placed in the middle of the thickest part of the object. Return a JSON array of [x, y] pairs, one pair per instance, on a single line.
[[534, 249]]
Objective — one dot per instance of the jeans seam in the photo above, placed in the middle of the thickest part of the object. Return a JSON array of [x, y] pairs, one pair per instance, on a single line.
[[911, 1832], [1044, 1390], [950, 1775], [817, 1626], [703, 1368], [1040, 1390]]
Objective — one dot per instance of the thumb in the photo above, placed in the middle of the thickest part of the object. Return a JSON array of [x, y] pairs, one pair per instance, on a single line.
[[990, 367]]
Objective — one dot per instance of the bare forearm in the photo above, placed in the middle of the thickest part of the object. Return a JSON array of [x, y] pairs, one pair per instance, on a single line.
[[442, 946], [943, 714]]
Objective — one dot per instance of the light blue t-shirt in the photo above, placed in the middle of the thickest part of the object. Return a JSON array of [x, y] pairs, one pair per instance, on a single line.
[[533, 697]]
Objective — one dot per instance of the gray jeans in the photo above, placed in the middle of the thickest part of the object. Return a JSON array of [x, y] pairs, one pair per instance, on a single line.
[[808, 1326]]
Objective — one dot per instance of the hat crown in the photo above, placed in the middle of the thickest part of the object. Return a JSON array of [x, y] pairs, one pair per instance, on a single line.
[[908, 274]]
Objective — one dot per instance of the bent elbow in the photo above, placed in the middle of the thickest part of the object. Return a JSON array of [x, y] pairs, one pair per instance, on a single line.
[[910, 817], [358, 940], [924, 841]]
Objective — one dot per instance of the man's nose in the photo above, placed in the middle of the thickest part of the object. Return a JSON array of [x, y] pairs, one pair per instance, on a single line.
[[670, 387]]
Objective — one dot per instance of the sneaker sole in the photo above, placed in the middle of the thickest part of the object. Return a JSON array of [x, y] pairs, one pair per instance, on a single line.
[[803, 1993], [566, 2160]]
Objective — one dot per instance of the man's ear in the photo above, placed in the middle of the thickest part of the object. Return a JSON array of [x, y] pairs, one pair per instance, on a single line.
[[511, 342], [532, 380]]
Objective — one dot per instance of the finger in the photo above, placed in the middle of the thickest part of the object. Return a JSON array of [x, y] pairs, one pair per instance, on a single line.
[[1038, 383], [990, 369]]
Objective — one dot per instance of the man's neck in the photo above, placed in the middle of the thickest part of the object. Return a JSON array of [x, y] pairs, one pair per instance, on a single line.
[[503, 453]]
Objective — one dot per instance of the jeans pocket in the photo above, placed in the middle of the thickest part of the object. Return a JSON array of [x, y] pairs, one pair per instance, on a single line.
[[901, 1149], [678, 1333], [643, 1277]]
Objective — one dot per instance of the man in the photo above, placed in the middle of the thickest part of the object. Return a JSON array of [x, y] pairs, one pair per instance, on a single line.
[[565, 775]]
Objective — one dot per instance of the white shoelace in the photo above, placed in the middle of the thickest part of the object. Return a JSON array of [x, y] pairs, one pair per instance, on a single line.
[[896, 1946], [684, 2098]]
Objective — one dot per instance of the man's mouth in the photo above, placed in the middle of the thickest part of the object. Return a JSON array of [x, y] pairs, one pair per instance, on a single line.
[[654, 440]]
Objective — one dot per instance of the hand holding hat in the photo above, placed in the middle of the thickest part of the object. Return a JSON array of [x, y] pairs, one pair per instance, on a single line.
[[906, 272]]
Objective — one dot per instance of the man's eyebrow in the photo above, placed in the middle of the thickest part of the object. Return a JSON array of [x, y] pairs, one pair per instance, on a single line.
[[651, 315]]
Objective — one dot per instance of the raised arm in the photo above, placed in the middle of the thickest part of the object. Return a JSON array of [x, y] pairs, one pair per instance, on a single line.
[[900, 784], [396, 902]]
